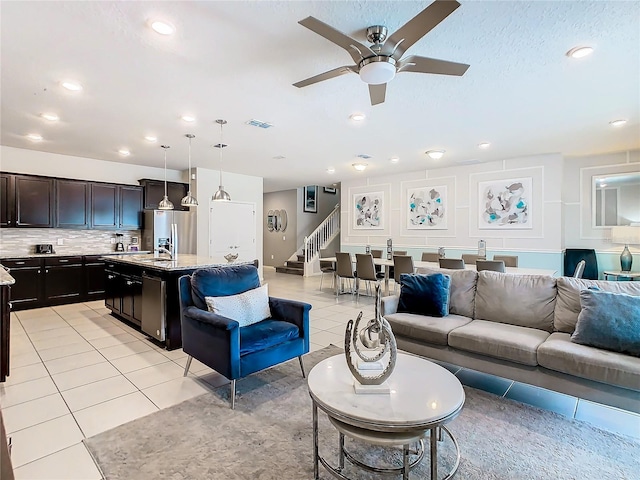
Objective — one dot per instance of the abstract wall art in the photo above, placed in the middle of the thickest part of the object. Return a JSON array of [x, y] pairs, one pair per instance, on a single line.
[[427, 208], [505, 204], [368, 211]]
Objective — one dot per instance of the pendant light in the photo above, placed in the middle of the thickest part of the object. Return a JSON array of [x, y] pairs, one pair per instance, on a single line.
[[221, 195], [189, 200], [165, 203]]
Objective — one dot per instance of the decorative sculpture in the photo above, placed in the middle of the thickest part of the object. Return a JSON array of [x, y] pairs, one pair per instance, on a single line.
[[376, 336]]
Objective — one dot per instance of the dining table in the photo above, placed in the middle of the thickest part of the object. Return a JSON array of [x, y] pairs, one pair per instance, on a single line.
[[420, 264]]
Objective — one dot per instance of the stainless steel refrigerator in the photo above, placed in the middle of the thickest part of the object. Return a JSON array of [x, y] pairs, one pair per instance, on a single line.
[[157, 231]]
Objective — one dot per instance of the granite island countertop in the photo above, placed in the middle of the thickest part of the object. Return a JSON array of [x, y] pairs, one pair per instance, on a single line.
[[180, 262], [5, 278]]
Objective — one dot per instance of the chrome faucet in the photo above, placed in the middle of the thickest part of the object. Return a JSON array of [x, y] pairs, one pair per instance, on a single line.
[[164, 250]]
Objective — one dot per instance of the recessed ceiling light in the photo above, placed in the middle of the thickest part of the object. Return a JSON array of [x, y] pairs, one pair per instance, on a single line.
[[603, 184], [52, 117], [331, 170], [72, 86], [579, 52], [357, 117], [124, 152], [394, 159], [188, 118], [359, 166], [618, 123], [151, 138], [34, 137], [163, 28], [484, 145], [435, 154]]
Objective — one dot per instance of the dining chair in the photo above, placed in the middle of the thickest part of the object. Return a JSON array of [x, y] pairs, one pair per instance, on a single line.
[[493, 265], [470, 258], [344, 269], [391, 269], [509, 260], [430, 257], [401, 264], [579, 269], [365, 270], [452, 263], [326, 267], [572, 257], [377, 254]]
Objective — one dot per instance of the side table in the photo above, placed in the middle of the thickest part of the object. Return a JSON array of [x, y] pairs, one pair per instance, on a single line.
[[625, 276]]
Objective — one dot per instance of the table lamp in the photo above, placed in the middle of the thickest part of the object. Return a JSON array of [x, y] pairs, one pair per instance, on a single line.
[[626, 236]]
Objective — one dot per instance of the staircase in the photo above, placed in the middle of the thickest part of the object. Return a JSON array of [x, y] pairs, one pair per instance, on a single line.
[[306, 260], [294, 267]]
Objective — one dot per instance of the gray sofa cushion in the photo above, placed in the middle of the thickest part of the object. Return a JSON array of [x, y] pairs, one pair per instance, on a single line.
[[424, 328], [568, 302], [463, 289], [524, 300], [499, 340], [559, 353]]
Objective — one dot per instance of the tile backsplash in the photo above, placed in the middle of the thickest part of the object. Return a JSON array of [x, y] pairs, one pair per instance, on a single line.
[[22, 241]]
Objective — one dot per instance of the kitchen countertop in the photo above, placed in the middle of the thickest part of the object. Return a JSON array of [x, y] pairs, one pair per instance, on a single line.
[[181, 262], [5, 278], [66, 254]]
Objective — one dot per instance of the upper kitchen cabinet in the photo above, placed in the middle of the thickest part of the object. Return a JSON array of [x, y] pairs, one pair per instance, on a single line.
[[104, 206], [34, 201], [154, 192], [7, 204], [130, 207], [116, 206], [73, 204]]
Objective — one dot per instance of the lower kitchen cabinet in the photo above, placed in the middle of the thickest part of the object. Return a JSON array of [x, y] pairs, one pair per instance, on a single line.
[[63, 280], [28, 291], [124, 295], [94, 277]]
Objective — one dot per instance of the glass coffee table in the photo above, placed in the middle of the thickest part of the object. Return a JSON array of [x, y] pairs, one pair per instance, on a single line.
[[424, 397]]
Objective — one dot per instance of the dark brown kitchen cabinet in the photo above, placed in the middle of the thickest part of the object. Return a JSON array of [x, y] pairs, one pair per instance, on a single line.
[[28, 291], [94, 278], [113, 290], [104, 206], [72, 204], [5, 332], [131, 306], [63, 280], [130, 214], [34, 201], [154, 192], [7, 200]]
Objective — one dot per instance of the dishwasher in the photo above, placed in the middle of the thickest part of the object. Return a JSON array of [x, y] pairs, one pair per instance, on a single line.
[[154, 306]]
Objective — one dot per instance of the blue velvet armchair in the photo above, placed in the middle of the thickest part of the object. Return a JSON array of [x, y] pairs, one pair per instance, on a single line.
[[221, 344]]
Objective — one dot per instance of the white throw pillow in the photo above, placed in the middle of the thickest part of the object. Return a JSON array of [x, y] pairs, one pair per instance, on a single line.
[[246, 308]]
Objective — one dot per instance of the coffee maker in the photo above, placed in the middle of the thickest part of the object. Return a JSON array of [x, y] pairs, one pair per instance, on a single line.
[[119, 244]]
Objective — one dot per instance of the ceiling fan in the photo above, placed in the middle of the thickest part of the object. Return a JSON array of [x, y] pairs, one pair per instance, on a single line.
[[379, 63]]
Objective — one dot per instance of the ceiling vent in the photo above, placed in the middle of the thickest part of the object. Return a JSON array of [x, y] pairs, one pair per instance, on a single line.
[[364, 156], [257, 123], [470, 161]]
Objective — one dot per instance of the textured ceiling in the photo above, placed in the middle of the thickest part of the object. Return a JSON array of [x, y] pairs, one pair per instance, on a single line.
[[237, 61]]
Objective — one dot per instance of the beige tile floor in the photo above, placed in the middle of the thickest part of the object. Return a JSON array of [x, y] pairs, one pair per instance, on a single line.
[[77, 371]]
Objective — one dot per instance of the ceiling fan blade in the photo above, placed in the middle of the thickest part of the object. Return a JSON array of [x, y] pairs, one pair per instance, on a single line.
[[357, 50], [377, 93], [414, 63], [336, 72], [418, 27]]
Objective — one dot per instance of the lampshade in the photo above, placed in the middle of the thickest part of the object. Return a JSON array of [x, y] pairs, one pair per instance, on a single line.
[[221, 195], [189, 200], [625, 235], [165, 203], [378, 71]]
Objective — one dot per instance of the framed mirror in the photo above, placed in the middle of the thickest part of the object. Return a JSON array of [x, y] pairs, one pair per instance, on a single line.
[[615, 199], [270, 221], [282, 221]]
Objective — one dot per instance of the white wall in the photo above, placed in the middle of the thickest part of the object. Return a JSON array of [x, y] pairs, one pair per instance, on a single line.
[[241, 188], [19, 160], [280, 245], [540, 245]]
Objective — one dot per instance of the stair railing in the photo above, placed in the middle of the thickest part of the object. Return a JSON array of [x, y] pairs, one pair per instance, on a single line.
[[325, 232]]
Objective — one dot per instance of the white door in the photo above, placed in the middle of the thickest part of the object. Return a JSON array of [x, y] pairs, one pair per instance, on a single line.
[[232, 229]]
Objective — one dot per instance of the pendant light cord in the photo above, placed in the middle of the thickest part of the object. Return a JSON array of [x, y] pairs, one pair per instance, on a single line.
[[189, 136], [221, 147], [165, 171]]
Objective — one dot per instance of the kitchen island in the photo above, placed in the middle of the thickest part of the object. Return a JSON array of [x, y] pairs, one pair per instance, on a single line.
[[143, 290]]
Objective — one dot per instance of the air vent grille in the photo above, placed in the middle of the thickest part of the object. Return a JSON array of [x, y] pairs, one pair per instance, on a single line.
[[259, 123], [365, 156]]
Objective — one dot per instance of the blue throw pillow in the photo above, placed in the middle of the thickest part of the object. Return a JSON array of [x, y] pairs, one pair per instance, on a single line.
[[610, 321], [425, 294]]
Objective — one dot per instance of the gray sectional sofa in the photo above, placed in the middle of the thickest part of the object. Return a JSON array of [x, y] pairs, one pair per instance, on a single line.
[[519, 327]]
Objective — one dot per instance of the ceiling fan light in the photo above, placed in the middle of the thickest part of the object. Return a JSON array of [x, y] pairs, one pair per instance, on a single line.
[[359, 166], [378, 72]]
